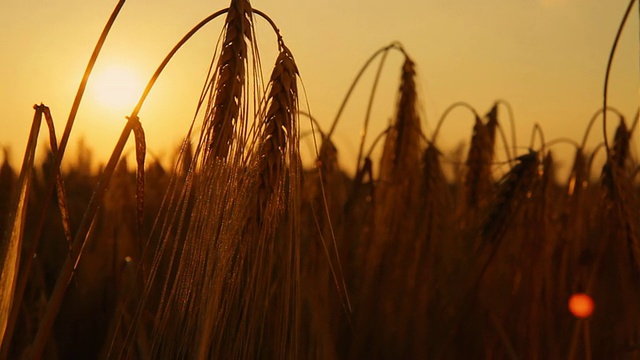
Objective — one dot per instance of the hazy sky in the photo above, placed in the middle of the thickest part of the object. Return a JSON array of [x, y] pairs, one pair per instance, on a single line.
[[546, 57]]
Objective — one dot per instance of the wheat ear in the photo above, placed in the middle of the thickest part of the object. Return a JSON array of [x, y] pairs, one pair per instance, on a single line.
[[230, 79]]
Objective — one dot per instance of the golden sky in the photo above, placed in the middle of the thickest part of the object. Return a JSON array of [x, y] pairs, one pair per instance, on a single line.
[[546, 57]]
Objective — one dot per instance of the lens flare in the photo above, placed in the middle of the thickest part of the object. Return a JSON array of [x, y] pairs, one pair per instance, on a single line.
[[581, 305]]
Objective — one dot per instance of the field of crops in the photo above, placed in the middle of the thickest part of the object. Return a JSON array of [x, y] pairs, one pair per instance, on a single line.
[[239, 251]]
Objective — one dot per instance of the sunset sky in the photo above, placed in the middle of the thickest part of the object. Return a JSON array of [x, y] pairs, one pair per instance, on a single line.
[[546, 57]]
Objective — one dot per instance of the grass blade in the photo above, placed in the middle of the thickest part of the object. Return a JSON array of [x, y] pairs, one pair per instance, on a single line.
[[10, 249]]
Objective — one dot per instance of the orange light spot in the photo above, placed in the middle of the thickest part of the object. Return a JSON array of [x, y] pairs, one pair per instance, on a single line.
[[581, 305]]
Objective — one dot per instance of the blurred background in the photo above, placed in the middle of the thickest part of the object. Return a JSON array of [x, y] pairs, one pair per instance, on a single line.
[[547, 58]]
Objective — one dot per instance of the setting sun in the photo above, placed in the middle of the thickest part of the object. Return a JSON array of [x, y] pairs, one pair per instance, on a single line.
[[116, 88]]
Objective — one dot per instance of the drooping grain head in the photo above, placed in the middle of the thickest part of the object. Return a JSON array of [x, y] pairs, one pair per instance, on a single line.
[[492, 124], [512, 192], [279, 126], [620, 150], [230, 78], [408, 121], [401, 152], [620, 244], [622, 198], [613, 172], [477, 182]]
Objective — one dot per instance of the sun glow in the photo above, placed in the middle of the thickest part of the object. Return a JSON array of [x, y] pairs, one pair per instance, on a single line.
[[116, 88]]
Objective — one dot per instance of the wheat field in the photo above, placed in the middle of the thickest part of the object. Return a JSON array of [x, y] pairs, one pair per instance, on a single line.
[[244, 249]]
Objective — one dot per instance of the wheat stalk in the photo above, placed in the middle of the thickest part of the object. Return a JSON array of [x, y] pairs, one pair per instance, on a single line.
[[228, 96], [388, 249], [277, 209]]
